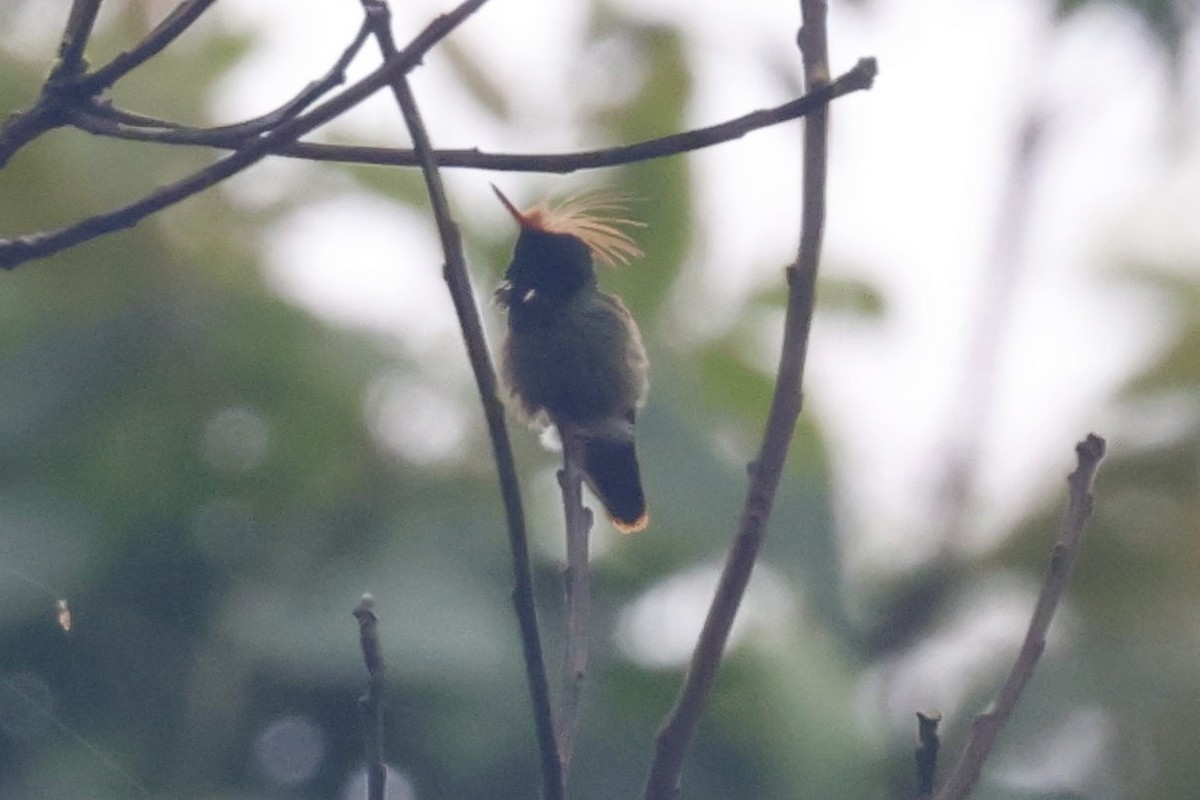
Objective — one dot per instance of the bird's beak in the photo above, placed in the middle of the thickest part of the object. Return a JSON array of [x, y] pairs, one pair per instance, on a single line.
[[517, 215]]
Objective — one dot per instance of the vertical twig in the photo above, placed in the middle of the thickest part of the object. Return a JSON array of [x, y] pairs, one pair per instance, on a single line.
[[987, 726], [370, 705], [926, 755], [80, 23], [676, 734], [577, 591], [459, 282]]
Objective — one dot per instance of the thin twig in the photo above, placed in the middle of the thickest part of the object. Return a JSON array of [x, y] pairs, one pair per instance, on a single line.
[[459, 283], [577, 591], [78, 31], [926, 756], [370, 705], [987, 726], [163, 34], [673, 739], [102, 118], [16, 251], [859, 78]]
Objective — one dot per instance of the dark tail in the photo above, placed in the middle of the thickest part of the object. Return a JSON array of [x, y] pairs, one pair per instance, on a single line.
[[611, 468]]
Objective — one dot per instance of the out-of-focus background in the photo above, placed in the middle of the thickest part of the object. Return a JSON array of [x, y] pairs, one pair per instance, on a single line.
[[219, 429]]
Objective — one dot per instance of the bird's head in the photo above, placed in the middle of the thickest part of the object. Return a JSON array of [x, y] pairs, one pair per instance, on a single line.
[[553, 256]]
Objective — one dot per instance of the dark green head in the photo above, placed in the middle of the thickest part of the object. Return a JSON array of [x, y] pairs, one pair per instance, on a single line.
[[555, 266]]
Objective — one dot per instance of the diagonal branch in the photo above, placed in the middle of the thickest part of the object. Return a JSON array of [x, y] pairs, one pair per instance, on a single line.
[[68, 85], [987, 726], [17, 251], [163, 34], [459, 283], [674, 738]]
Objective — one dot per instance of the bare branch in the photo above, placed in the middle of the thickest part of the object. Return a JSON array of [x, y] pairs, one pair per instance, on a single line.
[[16, 251], [370, 705], [987, 726], [674, 738], [459, 283], [860, 78], [577, 590]]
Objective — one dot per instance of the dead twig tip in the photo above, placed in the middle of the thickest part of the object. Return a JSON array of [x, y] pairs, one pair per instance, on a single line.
[[1092, 448], [365, 609]]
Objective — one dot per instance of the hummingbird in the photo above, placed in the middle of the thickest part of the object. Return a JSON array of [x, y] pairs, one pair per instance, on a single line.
[[574, 354]]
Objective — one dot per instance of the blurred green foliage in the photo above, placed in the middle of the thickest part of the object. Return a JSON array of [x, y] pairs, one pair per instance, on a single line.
[[186, 459]]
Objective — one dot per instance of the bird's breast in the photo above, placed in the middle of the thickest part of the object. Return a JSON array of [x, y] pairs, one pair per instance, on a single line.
[[579, 361]]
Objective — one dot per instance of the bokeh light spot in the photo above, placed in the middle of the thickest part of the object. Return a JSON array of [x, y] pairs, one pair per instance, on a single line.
[[659, 629], [289, 751], [235, 440], [415, 420]]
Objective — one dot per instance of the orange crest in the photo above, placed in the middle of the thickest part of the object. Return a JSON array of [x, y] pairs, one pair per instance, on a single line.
[[592, 217]]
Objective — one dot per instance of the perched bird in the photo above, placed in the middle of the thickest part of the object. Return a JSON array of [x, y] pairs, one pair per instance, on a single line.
[[573, 352]]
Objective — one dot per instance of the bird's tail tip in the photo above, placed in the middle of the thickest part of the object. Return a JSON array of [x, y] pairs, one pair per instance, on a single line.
[[611, 469], [631, 526]]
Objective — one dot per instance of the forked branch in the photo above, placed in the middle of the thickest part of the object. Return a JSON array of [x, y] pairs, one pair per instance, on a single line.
[[19, 250]]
